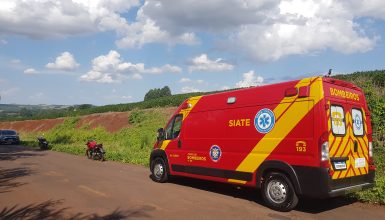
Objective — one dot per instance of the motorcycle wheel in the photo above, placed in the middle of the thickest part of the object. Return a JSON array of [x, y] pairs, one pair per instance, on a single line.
[[98, 155], [88, 154]]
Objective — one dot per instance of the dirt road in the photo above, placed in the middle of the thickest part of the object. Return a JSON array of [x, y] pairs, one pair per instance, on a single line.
[[52, 185]]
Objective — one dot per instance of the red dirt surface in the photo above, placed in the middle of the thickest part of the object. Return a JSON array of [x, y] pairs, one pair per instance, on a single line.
[[111, 121], [31, 125]]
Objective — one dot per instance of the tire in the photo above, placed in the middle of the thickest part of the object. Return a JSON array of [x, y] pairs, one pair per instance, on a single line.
[[98, 154], [278, 192], [88, 154], [43, 146], [159, 170]]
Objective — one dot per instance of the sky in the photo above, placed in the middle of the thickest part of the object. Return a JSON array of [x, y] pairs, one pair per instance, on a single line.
[[114, 51]]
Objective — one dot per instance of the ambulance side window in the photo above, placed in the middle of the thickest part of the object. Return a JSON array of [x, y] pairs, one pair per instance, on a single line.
[[337, 117], [173, 129], [177, 126], [358, 123]]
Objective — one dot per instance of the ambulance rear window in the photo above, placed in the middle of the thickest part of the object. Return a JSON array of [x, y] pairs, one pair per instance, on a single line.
[[358, 125], [337, 117]]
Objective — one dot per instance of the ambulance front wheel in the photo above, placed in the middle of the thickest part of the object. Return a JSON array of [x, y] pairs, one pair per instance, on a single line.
[[278, 192], [159, 170]]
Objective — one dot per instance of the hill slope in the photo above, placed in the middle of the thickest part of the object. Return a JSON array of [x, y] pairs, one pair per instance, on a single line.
[[111, 121]]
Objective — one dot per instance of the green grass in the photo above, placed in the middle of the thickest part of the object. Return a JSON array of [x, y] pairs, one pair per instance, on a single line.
[[377, 193], [129, 145]]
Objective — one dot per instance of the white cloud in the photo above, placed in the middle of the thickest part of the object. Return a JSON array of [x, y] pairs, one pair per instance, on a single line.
[[3, 42], [136, 76], [111, 69], [188, 89], [31, 71], [164, 69], [185, 80], [272, 43], [58, 18], [367, 8], [145, 31], [204, 64], [65, 62], [266, 30], [208, 16], [190, 81], [249, 79]]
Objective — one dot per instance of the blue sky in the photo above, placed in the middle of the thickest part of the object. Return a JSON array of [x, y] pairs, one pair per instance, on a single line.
[[106, 52]]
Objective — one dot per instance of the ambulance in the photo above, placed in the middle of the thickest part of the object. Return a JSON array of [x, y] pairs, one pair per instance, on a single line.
[[304, 138]]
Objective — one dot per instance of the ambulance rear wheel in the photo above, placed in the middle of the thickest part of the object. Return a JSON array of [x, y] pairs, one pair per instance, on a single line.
[[278, 192], [159, 170]]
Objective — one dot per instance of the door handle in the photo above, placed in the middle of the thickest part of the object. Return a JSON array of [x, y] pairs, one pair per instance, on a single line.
[[179, 143], [355, 146]]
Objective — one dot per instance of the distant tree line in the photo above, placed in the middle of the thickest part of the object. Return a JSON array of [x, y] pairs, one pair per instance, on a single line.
[[157, 93], [27, 114]]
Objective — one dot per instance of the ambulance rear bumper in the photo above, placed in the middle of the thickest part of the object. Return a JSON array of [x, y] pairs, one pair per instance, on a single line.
[[315, 182], [350, 189]]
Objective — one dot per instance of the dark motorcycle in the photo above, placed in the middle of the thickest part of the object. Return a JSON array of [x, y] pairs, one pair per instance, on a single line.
[[95, 151], [43, 143]]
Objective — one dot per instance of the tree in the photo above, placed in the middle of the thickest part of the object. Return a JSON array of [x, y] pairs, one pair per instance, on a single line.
[[26, 113], [84, 106], [157, 93]]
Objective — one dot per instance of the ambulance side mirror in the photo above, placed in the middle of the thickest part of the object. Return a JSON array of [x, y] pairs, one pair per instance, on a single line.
[[160, 136]]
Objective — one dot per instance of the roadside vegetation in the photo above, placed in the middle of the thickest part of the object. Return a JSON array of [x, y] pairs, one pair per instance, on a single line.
[[133, 144], [129, 145], [373, 84]]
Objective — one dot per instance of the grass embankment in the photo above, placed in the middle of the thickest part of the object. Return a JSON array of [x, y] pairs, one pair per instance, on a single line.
[[129, 145]]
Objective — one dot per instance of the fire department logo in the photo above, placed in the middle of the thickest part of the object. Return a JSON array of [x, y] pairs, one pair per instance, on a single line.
[[264, 121], [215, 153]]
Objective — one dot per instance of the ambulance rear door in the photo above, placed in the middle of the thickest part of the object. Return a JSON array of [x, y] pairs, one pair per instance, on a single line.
[[348, 142]]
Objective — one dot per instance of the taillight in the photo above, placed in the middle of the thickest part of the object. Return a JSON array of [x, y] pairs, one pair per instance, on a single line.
[[370, 149], [325, 151], [325, 154]]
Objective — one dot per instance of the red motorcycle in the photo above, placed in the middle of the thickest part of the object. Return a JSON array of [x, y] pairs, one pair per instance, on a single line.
[[95, 151]]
